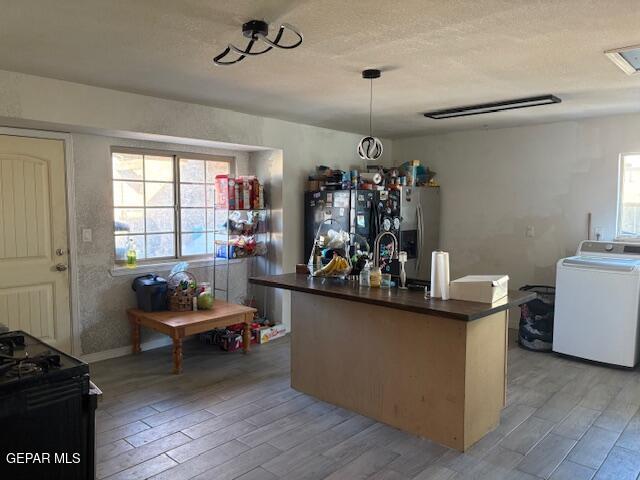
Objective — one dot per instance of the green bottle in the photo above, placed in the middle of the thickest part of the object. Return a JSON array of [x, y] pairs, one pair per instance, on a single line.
[[132, 256]]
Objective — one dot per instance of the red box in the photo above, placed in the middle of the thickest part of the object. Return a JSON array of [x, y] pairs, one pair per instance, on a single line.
[[226, 192]]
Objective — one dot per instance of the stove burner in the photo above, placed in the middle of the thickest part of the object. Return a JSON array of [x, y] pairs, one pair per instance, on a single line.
[[8, 344], [25, 366]]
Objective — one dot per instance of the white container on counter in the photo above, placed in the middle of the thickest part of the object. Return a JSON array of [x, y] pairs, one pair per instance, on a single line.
[[480, 288]]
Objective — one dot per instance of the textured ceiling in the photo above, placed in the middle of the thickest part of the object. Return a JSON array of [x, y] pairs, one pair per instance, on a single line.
[[434, 54]]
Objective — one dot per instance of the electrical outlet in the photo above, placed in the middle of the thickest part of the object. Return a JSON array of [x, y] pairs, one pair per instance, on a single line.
[[87, 235], [597, 233], [531, 232]]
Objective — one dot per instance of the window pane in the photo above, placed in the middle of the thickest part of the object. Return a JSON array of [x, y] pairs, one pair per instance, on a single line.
[[210, 242], [211, 195], [122, 245], [160, 220], [210, 219], [128, 220], [191, 170], [194, 243], [218, 220], [126, 166], [216, 168], [630, 198], [158, 168], [193, 219], [127, 194], [159, 194], [162, 245], [192, 195]]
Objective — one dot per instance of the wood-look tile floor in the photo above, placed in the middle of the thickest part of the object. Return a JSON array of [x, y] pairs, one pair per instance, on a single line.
[[230, 416]]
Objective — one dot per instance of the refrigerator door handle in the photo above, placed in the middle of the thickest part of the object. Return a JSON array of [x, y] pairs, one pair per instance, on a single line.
[[419, 235]]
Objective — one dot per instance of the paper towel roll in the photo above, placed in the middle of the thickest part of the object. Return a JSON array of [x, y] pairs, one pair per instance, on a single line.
[[440, 275], [374, 177], [443, 268], [435, 288]]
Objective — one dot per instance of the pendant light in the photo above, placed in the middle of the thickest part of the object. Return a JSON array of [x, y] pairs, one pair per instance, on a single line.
[[370, 147]]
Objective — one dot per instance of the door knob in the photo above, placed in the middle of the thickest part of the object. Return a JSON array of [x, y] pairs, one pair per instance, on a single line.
[[61, 267]]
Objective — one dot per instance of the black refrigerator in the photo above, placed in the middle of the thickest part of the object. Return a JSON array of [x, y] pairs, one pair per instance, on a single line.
[[373, 212], [365, 213], [319, 208]]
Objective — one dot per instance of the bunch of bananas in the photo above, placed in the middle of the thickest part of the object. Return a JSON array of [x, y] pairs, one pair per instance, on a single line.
[[337, 266]]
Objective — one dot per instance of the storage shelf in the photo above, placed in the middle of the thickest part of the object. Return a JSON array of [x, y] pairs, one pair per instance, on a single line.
[[246, 257], [224, 209], [227, 234]]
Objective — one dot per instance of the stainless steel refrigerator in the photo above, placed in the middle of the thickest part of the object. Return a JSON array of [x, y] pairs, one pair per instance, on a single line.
[[420, 228]]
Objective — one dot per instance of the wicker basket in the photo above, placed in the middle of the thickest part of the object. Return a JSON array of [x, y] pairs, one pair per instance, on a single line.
[[181, 298]]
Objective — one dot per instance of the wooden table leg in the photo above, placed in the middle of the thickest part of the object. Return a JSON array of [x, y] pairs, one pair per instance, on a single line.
[[246, 335], [177, 355], [135, 334]]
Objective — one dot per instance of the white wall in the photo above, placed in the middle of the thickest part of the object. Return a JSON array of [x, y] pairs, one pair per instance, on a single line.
[[37, 102], [103, 298], [495, 183]]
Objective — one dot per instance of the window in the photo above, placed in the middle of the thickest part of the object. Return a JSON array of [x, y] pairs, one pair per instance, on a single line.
[[196, 201], [629, 196], [162, 203]]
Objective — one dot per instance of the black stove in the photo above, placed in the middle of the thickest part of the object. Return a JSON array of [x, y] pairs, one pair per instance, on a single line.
[[26, 360], [47, 409]]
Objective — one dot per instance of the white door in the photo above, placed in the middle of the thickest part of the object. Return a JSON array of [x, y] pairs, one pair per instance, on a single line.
[[34, 279]]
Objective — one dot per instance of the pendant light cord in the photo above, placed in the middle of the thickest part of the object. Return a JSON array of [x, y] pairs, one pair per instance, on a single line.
[[370, 106]]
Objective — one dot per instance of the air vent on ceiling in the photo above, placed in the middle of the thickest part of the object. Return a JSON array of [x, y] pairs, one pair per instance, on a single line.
[[627, 58], [492, 107]]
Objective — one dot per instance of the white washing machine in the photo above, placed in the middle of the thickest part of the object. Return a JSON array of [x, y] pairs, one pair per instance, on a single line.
[[597, 303]]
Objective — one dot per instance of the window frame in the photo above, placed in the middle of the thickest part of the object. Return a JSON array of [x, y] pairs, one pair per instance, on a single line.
[[619, 209], [175, 156]]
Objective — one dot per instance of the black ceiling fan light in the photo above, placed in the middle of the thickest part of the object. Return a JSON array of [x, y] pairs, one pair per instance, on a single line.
[[257, 30], [483, 108]]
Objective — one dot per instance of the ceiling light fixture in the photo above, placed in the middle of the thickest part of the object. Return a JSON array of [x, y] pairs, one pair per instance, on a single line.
[[492, 107], [370, 148], [627, 58], [256, 30]]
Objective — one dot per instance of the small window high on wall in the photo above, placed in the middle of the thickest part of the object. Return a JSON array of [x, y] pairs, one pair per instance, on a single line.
[[162, 203], [628, 224]]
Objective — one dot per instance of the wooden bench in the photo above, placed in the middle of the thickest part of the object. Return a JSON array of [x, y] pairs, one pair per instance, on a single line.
[[178, 325]]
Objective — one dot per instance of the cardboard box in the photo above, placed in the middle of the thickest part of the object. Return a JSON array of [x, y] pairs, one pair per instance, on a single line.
[[314, 185], [271, 333], [480, 288], [247, 187]]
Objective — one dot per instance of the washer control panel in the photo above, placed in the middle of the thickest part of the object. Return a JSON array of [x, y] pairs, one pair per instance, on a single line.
[[611, 248]]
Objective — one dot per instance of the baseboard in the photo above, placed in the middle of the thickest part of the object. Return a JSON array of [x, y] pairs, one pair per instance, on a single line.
[[122, 351], [126, 350]]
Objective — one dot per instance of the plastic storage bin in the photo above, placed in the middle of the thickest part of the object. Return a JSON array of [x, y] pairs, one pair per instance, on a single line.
[[536, 319], [151, 292]]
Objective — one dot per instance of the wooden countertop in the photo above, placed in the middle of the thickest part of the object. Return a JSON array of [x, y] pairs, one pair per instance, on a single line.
[[410, 300]]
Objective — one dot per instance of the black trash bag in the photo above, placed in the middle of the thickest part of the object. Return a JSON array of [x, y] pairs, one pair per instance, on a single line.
[[536, 319]]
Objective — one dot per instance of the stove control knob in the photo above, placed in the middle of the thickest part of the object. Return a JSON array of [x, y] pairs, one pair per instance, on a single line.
[[61, 267], [608, 247]]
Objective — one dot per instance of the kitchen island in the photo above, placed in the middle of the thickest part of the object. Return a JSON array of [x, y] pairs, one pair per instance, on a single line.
[[430, 367]]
